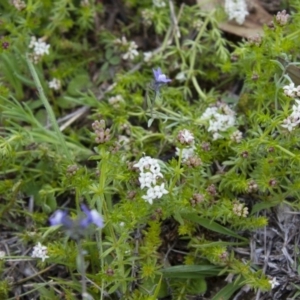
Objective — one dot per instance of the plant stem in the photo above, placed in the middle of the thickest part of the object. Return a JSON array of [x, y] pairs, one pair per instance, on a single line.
[[62, 142], [81, 267]]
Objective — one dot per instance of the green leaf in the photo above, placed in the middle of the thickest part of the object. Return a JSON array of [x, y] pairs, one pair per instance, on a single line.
[[226, 292], [217, 244], [262, 205], [115, 60], [197, 286], [156, 287], [108, 54], [211, 225], [190, 271], [79, 83]]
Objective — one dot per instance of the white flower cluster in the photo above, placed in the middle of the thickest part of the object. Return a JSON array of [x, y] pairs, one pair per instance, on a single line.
[[130, 46], [40, 251], [220, 118], [236, 136], [131, 52], [18, 4], [84, 3], [147, 16], [237, 10], [39, 47], [185, 137], [149, 172], [293, 119], [159, 3], [197, 24], [292, 91], [115, 101], [186, 153], [148, 56], [240, 210], [54, 84]]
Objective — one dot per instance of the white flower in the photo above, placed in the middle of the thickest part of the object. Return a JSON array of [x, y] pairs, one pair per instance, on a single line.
[[145, 163], [186, 153], [149, 196], [54, 84], [214, 125], [147, 56], [159, 3], [160, 190], [236, 9], [185, 137], [236, 136], [147, 16], [122, 41], [290, 123], [290, 90], [216, 136], [274, 282], [149, 172], [40, 48], [131, 52], [220, 118], [124, 141], [146, 179], [296, 109], [84, 3], [115, 100], [297, 90], [227, 110], [18, 4], [155, 192], [180, 76], [209, 112], [222, 123], [240, 210], [40, 251], [155, 169]]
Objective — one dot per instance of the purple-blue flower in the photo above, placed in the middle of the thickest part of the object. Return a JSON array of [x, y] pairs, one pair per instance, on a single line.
[[159, 77], [60, 217], [92, 216]]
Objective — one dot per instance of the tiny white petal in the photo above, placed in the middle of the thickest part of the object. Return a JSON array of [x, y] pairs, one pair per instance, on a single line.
[[40, 251]]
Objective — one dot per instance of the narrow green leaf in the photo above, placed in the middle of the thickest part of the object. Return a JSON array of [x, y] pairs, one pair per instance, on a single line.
[[211, 225], [262, 205], [190, 271], [226, 292]]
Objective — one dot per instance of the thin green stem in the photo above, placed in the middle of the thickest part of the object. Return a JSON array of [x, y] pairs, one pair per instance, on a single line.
[[293, 35], [64, 149], [104, 205], [193, 49], [198, 89], [177, 171], [81, 267], [285, 151]]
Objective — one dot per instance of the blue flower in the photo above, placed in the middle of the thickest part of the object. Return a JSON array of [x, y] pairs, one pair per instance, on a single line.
[[61, 218], [92, 216], [159, 77]]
